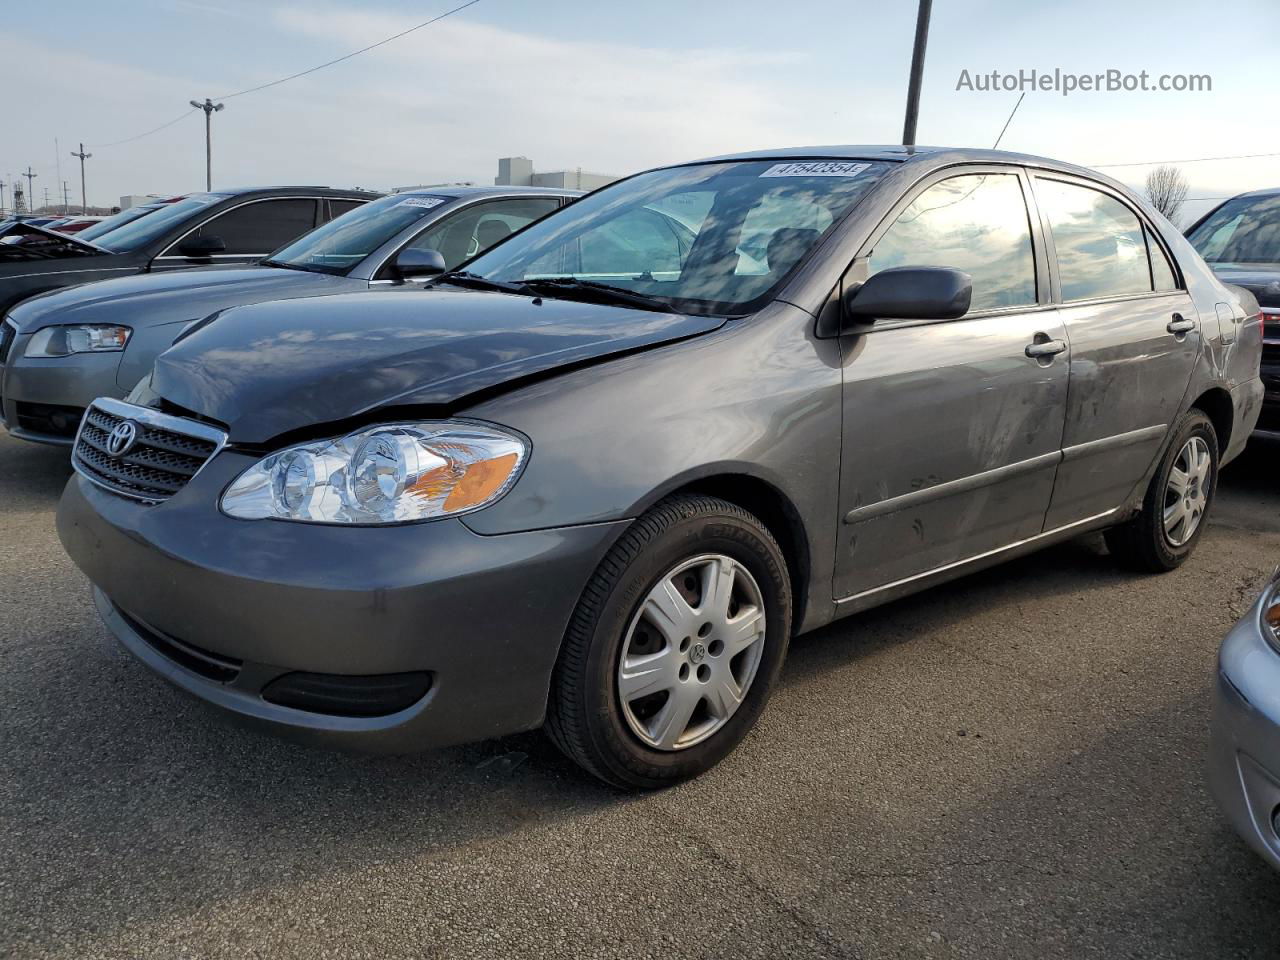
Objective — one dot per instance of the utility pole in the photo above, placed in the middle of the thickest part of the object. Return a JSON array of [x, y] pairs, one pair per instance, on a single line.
[[31, 190], [66, 199], [3, 184], [209, 107], [45, 208], [84, 203], [917, 73]]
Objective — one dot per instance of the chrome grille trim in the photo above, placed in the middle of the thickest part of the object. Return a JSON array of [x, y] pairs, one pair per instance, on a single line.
[[169, 451]]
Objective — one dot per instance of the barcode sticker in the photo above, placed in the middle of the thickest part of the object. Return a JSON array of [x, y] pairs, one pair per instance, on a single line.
[[425, 202], [816, 168]]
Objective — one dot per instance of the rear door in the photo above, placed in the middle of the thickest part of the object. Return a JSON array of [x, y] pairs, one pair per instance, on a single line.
[[1134, 336], [952, 432]]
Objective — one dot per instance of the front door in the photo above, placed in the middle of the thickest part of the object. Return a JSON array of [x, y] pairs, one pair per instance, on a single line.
[[1134, 336], [952, 432]]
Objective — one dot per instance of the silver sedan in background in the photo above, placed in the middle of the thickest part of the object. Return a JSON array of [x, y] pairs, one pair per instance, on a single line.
[[1244, 763]]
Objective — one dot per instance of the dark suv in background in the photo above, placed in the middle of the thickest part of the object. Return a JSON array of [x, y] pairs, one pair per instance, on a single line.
[[1240, 240], [226, 226]]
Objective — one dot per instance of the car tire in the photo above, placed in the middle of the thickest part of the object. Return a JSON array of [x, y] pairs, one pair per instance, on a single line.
[[1147, 543], [691, 548]]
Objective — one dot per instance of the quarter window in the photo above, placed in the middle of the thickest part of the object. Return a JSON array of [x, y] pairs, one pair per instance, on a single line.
[[977, 223], [1101, 248], [1162, 276], [258, 228], [338, 207]]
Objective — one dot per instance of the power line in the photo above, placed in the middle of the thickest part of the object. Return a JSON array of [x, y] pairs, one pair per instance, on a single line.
[[294, 76], [1148, 163], [1010, 120], [116, 143], [356, 53]]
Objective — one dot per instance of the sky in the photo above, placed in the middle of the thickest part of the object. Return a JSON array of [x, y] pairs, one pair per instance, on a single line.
[[610, 87]]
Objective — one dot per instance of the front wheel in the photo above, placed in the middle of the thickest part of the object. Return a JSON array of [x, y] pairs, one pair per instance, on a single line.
[[1176, 507], [675, 646]]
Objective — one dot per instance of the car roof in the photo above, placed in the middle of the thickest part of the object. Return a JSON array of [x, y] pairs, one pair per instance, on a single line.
[[296, 190], [1264, 192], [469, 192]]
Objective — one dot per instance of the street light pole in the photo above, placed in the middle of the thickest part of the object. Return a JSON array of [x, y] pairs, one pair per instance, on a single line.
[[84, 202], [917, 73], [208, 107]]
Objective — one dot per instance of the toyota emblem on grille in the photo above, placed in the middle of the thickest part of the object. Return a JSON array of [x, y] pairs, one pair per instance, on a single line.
[[122, 438]]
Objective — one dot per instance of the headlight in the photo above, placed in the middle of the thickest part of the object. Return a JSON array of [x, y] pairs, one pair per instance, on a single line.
[[387, 474], [82, 338]]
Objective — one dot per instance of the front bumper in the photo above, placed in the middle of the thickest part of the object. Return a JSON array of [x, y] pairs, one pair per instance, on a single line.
[[1244, 757], [483, 615], [43, 399]]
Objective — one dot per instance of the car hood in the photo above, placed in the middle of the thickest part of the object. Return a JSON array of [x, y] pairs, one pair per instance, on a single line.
[[172, 296], [275, 368], [1260, 279]]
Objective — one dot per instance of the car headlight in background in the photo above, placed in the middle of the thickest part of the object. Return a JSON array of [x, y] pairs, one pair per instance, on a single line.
[[81, 338], [1271, 610], [395, 473]]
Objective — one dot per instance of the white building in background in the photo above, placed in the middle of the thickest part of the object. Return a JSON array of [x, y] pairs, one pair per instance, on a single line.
[[518, 172], [136, 200]]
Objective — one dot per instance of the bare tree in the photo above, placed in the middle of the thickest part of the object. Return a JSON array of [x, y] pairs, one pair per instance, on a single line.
[[1167, 189]]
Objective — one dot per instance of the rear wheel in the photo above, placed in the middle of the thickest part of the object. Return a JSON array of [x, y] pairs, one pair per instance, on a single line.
[[1177, 503], [675, 645]]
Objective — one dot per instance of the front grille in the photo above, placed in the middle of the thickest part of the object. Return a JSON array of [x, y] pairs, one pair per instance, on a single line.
[[348, 696], [166, 454], [47, 419], [1271, 344]]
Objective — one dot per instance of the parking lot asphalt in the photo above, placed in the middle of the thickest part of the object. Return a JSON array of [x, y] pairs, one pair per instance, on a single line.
[[1007, 766]]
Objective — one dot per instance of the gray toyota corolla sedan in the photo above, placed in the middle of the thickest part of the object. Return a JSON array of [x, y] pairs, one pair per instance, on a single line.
[[600, 477], [1244, 759], [62, 350]]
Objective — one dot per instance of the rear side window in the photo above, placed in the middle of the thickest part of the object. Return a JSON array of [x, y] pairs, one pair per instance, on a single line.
[[338, 207], [1101, 248], [1162, 276], [257, 229], [977, 223]]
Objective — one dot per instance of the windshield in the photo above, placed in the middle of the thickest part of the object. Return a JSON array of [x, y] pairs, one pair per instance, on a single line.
[[1242, 230], [344, 241], [119, 220], [142, 231], [710, 238]]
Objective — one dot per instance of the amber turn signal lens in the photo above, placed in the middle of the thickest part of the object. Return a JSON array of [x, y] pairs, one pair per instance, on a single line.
[[483, 479]]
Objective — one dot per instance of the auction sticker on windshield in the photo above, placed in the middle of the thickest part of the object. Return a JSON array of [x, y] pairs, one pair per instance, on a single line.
[[816, 168], [426, 202]]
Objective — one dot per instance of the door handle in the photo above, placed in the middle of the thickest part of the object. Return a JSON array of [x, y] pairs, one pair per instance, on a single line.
[[1180, 325], [1045, 348]]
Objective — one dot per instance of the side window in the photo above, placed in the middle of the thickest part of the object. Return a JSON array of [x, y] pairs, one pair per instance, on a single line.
[[1162, 275], [261, 227], [1101, 248], [475, 229], [338, 207], [977, 223]]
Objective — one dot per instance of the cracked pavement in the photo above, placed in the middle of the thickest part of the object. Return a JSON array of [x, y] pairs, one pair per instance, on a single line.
[[1006, 766]]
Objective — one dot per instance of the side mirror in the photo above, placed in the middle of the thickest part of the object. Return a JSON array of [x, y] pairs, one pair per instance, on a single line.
[[411, 263], [201, 248], [911, 293]]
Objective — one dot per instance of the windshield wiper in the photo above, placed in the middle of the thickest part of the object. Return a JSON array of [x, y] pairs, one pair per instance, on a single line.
[[598, 291], [463, 278]]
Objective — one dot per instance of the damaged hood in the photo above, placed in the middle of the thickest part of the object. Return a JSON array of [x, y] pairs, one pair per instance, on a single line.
[[269, 369], [22, 242]]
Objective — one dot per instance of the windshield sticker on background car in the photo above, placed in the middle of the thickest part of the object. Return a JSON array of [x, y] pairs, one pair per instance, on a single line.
[[427, 202], [816, 168]]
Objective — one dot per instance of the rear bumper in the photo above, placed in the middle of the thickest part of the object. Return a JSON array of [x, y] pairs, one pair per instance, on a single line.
[[482, 615], [1244, 756], [1269, 421]]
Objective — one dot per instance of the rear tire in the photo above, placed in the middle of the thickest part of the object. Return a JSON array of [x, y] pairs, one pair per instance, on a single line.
[[1176, 508], [653, 686]]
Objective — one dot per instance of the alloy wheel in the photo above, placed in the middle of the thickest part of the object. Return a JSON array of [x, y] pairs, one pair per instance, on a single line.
[[1186, 495], [691, 652]]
